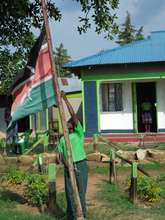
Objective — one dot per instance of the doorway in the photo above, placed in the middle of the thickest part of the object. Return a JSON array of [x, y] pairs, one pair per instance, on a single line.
[[146, 91], [23, 124]]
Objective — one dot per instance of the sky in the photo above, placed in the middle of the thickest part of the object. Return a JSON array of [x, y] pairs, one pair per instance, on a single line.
[[147, 13]]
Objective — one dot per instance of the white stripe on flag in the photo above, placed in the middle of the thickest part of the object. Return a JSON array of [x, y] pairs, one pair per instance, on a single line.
[[32, 87]]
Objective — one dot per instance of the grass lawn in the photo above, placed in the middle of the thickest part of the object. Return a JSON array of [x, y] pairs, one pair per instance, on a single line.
[[111, 202], [116, 205], [9, 202]]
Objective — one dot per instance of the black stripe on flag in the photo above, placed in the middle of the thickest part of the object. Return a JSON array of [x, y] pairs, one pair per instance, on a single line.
[[28, 71]]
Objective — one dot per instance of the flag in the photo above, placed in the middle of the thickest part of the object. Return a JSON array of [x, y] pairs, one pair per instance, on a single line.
[[32, 90]]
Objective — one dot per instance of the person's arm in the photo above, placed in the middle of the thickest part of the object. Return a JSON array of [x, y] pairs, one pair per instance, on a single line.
[[60, 159], [70, 108]]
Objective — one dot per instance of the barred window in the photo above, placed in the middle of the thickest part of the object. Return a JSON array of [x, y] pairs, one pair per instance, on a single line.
[[111, 97]]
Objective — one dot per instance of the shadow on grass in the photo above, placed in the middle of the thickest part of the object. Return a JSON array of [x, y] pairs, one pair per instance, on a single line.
[[60, 209], [7, 195], [9, 200]]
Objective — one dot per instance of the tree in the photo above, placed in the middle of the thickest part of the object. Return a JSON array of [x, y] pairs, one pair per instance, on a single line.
[[19, 18], [139, 34], [9, 65], [128, 33], [61, 58], [11, 62]]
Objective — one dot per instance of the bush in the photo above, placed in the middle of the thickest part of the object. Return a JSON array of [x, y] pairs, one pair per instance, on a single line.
[[36, 190], [148, 189], [14, 177]]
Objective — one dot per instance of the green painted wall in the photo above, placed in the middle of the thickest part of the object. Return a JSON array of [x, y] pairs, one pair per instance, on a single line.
[[123, 76], [74, 95]]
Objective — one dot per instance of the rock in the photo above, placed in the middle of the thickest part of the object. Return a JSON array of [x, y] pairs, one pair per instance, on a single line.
[[120, 152], [49, 157], [94, 156], [130, 155], [141, 154], [156, 154], [26, 159], [104, 158], [118, 160]]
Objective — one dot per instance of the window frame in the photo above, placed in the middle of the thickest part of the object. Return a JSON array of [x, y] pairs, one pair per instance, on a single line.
[[101, 98]]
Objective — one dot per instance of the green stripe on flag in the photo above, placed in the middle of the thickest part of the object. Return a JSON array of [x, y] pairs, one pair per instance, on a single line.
[[40, 98]]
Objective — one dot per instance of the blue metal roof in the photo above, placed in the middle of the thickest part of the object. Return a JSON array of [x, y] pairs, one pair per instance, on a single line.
[[151, 49]]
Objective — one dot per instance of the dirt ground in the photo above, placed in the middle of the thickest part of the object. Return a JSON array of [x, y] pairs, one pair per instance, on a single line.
[[94, 180]]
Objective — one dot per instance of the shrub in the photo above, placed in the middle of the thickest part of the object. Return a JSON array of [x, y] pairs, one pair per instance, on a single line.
[[14, 177], [148, 189], [36, 190]]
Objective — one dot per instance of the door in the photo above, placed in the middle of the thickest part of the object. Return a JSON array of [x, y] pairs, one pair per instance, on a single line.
[[146, 91]]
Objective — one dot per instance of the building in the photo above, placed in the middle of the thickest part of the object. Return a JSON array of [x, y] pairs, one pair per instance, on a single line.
[[115, 83]]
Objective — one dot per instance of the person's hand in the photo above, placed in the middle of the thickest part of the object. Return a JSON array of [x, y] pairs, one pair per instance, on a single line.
[[63, 95]]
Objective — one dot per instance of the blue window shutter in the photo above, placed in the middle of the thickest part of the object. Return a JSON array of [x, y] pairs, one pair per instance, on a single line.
[[90, 101]]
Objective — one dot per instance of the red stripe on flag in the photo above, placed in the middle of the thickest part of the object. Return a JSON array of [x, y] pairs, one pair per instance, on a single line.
[[42, 70], [43, 66]]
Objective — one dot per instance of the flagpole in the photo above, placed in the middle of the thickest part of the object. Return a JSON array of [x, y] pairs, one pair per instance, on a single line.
[[62, 115]]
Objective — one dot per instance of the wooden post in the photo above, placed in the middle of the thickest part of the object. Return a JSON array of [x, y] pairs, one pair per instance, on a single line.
[[40, 163], [133, 187], [52, 187], [95, 140], [76, 197], [46, 142], [112, 168]]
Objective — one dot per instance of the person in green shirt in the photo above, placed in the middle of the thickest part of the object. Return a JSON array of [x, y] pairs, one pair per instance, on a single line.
[[146, 114], [76, 137]]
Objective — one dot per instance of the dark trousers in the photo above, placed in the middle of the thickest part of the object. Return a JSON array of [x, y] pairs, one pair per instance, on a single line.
[[81, 173]]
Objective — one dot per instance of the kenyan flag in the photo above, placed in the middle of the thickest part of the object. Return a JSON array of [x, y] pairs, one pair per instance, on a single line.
[[32, 90]]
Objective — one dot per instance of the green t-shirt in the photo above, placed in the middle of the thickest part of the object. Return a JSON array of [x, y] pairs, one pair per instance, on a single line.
[[146, 106], [77, 143]]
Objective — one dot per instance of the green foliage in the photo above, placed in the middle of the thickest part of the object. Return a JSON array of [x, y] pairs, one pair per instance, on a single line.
[[148, 189], [103, 15], [36, 190], [10, 63], [139, 34], [61, 57], [16, 39], [17, 20], [2, 142], [14, 177], [128, 33]]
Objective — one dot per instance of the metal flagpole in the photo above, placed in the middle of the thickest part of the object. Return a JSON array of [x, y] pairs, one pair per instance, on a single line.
[[62, 115]]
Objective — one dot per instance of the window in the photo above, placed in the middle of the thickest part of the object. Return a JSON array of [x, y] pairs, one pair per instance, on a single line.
[[111, 97]]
